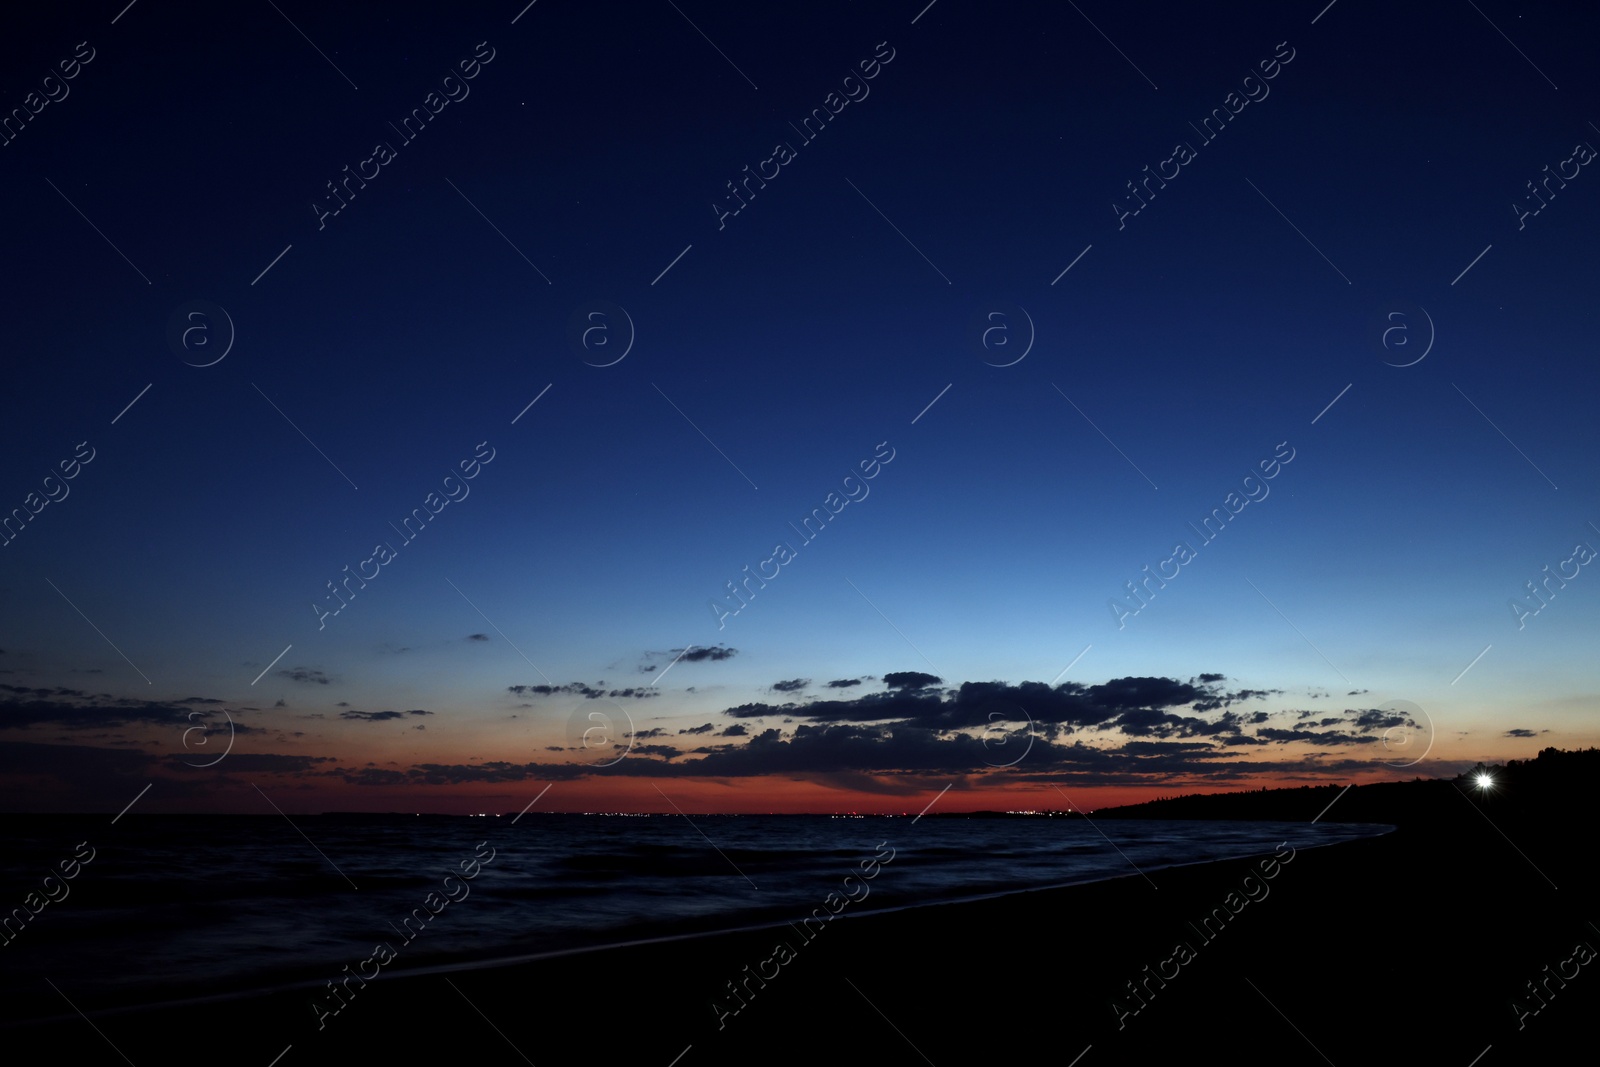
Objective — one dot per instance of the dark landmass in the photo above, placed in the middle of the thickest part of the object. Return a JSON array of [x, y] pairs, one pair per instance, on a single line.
[[1553, 783]]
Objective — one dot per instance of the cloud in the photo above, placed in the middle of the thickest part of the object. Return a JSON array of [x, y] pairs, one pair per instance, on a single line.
[[380, 716], [716, 653], [1377, 719], [477, 637], [1316, 737], [376, 776], [58, 692], [793, 685], [305, 674], [895, 757], [978, 704], [1520, 732], [1125, 731], [880, 785], [910, 680], [80, 710], [587, 691], [916, 728], [1152, 722], [261, 763], [88, 777], [843, 683]]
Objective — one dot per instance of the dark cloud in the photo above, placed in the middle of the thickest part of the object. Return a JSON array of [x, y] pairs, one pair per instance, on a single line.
[[380, 716], [379, 777], [90, 778], [457, 774], [910, 680], [75, 763], [305, 674], [978, 704], [736, 730], [654, 731], [793, 685], [889, 757], [706, 729], [1314, 736], [901, 749], [579, 688], [1151, 722], [1377, 719], [843, 683], [477, 637], [641, 693], [877, 784], [259, 763], [1218, 698], [58, 692], [67, 777], [716, 654], [1520, 732], [81, 710]]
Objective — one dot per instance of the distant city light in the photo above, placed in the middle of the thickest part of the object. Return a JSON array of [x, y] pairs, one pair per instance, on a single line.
[[1484, 781]]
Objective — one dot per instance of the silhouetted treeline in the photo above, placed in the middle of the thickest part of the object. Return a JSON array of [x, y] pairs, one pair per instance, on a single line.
[[1555, 784]]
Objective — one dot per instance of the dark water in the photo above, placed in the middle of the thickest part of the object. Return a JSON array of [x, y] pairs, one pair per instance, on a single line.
[[172, 906]]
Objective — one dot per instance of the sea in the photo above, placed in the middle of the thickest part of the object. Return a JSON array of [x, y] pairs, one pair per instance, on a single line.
[[175, 908]]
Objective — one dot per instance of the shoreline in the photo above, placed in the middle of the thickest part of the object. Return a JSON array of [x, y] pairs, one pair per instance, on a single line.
[[1415, 942], [310, 986]]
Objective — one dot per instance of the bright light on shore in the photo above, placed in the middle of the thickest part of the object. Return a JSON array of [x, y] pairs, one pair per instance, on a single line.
[[1484, 781]]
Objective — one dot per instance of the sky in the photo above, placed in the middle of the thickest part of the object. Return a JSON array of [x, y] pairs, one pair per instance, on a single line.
[[808, 407]]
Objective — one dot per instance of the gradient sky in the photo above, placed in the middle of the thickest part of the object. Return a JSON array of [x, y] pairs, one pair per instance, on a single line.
[[1343, 272]]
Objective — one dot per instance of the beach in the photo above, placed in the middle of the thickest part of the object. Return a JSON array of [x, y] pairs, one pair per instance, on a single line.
[[1417, 943]]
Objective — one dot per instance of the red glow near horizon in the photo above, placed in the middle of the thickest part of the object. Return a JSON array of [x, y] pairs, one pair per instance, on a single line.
[[692, 796]]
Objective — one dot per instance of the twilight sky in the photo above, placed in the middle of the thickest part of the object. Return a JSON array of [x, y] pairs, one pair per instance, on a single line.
[[799, 407]]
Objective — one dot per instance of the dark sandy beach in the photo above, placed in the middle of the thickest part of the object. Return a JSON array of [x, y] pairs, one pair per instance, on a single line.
[[1416, 944]]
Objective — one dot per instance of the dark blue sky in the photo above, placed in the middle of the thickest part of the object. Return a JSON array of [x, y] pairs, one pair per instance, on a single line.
[[897, 258]]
